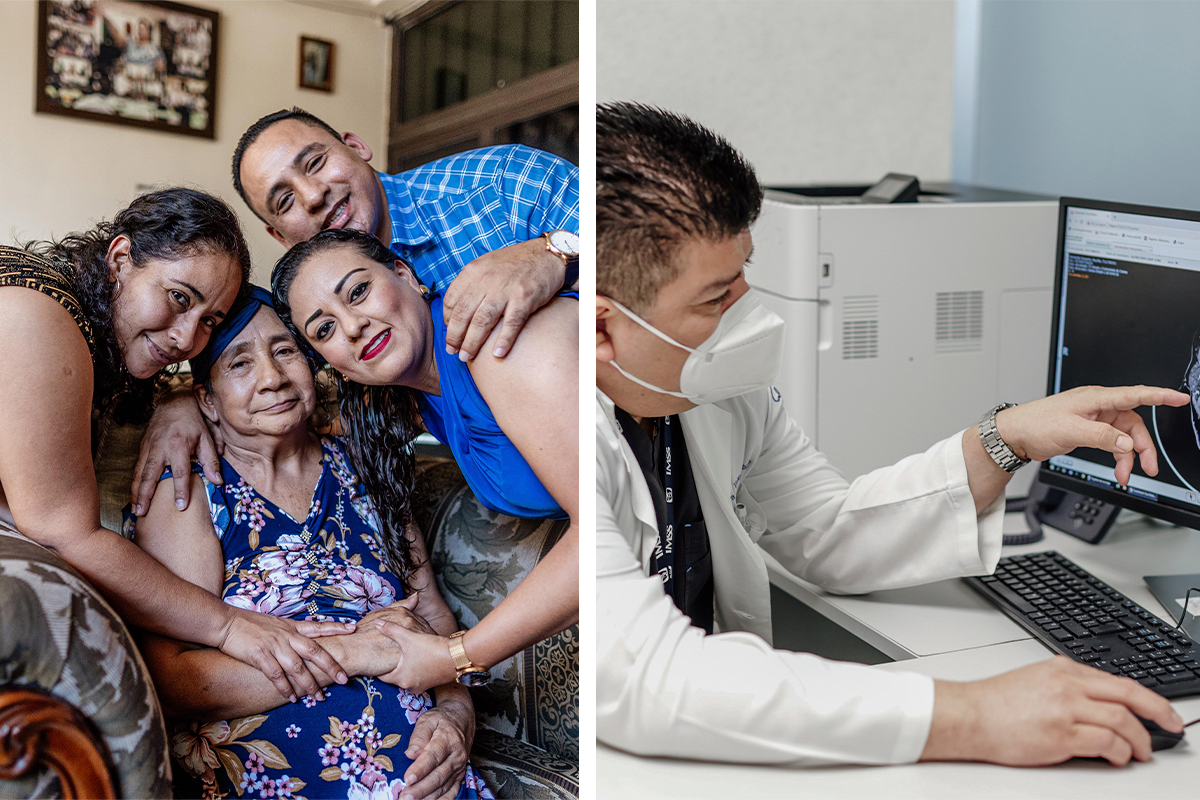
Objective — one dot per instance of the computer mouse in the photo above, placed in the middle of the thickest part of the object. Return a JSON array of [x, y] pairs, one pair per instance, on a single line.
[[1160, 739]]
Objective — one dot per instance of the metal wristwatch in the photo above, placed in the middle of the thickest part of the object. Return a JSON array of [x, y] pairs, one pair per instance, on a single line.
[[565, 245], [996, 447], [468, 673]]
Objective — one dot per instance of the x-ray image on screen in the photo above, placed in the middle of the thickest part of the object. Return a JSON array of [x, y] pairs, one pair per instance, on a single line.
[[1127, 323], [1177, 430]]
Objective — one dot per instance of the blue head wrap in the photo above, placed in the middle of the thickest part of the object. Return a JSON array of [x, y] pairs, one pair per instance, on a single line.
[[223, 335]]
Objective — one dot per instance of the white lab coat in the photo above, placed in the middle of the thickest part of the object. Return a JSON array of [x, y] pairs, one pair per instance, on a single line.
[[664, 688]]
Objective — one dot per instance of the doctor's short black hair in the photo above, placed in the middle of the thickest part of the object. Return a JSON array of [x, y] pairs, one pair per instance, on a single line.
[[662, 179]]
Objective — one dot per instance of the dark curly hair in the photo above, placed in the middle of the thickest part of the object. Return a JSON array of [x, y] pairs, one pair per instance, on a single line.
[[378, 422], [163, 224]]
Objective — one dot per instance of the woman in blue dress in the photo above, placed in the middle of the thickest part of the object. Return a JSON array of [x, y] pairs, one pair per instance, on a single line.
[[292, 533], [512, 423]]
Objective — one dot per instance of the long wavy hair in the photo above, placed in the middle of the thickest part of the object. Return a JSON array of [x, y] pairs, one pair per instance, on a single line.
[[378, 422], [160, 225]]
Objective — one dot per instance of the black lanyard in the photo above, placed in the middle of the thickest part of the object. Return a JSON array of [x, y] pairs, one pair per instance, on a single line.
[[664, 552]]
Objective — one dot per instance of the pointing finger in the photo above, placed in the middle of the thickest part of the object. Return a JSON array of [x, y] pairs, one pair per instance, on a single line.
[[1124, 398]]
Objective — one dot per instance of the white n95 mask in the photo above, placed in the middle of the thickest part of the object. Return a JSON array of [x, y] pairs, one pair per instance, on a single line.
[[744, 353]]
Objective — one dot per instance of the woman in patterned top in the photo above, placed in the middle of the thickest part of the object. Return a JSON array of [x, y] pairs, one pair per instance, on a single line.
[[86, 323], [293, 533]]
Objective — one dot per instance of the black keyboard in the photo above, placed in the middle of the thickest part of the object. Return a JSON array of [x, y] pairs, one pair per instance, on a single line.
[[1075, 613]]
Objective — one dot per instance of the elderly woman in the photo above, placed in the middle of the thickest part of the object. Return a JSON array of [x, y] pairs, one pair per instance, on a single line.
[[86, 325], [292, 533], [512, 424]]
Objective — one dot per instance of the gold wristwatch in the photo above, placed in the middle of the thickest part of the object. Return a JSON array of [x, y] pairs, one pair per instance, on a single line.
[[468, 674], [565, 245]]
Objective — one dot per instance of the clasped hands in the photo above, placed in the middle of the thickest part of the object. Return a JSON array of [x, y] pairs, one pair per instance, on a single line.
[[412, 654]]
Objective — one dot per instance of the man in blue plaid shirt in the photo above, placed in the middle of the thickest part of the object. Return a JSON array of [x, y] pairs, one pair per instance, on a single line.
[[472, 224]]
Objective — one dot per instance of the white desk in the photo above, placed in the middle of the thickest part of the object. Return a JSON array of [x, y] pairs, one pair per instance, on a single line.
[[947, 631]]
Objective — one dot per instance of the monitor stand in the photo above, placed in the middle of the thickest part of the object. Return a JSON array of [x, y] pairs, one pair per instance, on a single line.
[[1171, 590]]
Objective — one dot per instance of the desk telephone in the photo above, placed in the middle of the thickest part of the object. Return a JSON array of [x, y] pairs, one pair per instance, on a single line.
[[1070, 512]]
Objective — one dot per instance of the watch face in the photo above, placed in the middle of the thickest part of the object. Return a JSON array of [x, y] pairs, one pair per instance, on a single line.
[[565, 242], [475, 677]]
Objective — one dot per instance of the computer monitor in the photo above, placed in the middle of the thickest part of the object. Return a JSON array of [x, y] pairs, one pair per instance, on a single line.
[[1127, 311]]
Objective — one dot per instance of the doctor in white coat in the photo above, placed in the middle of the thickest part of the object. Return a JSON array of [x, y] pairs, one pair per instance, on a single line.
[[679, 332]]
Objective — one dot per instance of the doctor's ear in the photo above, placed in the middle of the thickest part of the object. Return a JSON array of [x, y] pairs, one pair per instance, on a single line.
[[605, 313]]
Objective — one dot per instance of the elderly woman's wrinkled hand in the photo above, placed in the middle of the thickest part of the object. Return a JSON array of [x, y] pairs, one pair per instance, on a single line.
[[368, 651], [440, 745]]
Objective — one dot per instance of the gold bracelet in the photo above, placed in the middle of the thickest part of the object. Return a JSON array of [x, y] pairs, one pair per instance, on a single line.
[[469, 674]]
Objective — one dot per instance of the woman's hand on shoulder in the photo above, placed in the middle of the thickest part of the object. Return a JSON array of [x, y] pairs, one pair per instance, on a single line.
[[176, 431]]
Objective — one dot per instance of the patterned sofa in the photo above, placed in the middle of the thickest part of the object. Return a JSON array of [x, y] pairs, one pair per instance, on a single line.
[[77, 708]]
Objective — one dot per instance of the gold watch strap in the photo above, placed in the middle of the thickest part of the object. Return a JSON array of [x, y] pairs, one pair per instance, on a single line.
[[566, 259], [458, 654]]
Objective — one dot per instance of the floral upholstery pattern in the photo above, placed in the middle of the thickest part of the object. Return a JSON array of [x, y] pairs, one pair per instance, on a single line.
[[478, 557], [61, 636]]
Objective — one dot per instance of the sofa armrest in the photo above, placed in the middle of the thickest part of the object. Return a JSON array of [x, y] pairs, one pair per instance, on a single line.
[[61, 638], [478, 557]]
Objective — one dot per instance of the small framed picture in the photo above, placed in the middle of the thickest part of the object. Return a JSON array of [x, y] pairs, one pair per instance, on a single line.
[[316, 64]]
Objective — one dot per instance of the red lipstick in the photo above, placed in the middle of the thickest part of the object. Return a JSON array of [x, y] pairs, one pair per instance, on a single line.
[[376, 345]]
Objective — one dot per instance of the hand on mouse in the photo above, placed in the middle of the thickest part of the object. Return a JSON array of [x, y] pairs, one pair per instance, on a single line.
[[1043, 714]]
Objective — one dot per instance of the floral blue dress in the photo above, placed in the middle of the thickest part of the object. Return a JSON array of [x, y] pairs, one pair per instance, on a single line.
[[329, 566]]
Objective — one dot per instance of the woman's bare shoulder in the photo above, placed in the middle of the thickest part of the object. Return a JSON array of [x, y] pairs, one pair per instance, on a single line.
[[45, 418], [547, 347], [41, 347], [28, 313]]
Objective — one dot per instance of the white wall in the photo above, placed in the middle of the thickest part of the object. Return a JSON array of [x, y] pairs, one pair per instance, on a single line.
[[1088, 99], [812, 91], [59, 174]]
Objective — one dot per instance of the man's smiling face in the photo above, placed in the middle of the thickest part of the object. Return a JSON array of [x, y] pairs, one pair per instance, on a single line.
[[301, 180]]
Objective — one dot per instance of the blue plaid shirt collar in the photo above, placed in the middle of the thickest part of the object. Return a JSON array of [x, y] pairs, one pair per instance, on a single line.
[[408, 226]]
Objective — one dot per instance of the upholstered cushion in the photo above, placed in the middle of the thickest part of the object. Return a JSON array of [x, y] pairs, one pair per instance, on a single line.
[[513, 768], [479, 556], [60, 636], [116, 456]]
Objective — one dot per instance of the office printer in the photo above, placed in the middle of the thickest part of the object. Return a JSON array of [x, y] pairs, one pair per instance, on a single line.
[[906, 321]]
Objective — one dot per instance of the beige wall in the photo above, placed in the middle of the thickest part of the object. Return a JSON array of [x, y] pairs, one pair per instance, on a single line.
[[812, 92], [60, 174]]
